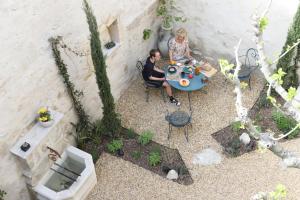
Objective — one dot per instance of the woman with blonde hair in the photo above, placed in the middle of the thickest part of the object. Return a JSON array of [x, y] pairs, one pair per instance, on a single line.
[[179, 46]]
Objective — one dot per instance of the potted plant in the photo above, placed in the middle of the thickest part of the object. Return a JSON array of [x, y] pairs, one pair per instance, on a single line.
[[165, 10], [44, 117]]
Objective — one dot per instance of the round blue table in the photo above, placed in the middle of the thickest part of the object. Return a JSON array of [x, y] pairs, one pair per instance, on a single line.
[[196, 83]]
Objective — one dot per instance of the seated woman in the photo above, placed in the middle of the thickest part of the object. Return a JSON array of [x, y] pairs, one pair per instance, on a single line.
[[179, 46]]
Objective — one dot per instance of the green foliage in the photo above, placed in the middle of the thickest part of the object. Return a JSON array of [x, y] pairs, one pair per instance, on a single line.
[[136, 155], [279, 193], [95, 153], [131, 133], [154, 158], [83, 127], [234, 147], [2, 194], [110, 121], [147, 34], [165, 10], [226, 68], [263, 22], [278, 76], [285, 123], [114, 146], [289, 62], [236, 126], [291, 93], [264, 102], [145, 138]]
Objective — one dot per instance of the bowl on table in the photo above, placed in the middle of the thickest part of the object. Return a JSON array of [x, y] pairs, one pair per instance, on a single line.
[[184, 82], [172, 70], [188, 70]]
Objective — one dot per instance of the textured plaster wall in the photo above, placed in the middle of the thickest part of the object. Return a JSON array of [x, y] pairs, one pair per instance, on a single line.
[[216, 26], [29, 77]]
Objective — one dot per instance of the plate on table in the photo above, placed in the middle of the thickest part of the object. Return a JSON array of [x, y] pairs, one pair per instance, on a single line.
[[188, 70], [184, 82], [172, 70]]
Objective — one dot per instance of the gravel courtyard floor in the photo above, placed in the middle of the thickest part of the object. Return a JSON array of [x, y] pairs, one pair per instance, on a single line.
[[233, 179]]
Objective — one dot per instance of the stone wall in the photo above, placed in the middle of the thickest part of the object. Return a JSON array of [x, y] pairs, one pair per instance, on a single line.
[[216, 26], [29, 78]]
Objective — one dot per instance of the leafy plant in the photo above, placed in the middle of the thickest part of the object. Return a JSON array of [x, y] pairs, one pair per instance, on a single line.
[[234, 147], [263, 22], [279, 193], [145, 138], [147, 34], [136, 155], [2, 194], [285, 123], [291, 93], [165, 10], [114, 146], [154, 158], [95, 153], [278, 76], [83, 127], [236, 126], [111, 122], [131, 133]]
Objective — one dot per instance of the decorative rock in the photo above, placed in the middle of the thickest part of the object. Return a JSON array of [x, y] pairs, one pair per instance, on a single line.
[[207, 157], [172, 175], [245, 139]]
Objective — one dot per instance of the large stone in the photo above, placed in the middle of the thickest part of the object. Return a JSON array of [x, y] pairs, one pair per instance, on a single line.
[[245, 138], [172, 175], [207, 157]]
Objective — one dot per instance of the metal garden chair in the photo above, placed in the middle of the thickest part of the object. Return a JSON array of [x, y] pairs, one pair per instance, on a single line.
[[147, 84], [179, 119], [249, 63]]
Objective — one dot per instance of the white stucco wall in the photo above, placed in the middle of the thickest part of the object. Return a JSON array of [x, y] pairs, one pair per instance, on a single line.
[[29, 77], [216, 26]]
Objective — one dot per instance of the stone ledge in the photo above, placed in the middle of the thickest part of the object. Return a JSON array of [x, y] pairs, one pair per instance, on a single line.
[[34, 137]]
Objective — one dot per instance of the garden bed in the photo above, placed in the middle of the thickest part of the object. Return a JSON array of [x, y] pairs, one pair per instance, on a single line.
[[265, 117], [138, 154]]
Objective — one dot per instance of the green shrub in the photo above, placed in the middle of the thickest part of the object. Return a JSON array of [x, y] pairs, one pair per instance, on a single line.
[[234, 147], [285, 123], [154, 158], [236, 126], [145, 138], [2, 194], [114, 145], [95, 153], [136, 155], [130, 133]]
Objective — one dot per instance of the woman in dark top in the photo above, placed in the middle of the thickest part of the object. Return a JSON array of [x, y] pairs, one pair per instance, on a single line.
[[157, 76]]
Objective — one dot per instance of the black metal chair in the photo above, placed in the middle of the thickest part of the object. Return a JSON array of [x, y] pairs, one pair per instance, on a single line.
[[179, 119], [148, 84], [249, 63]]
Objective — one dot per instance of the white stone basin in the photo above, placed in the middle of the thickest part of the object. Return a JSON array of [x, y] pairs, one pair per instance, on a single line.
[[74, 180]]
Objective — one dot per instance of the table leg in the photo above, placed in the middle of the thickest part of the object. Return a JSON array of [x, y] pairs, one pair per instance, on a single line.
[[190, 101]]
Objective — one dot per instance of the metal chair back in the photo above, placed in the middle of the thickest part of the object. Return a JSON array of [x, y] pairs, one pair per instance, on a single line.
[[140, 67]]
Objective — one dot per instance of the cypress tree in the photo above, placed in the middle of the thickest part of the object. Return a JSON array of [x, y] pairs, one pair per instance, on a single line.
[[110, 123], [289, 62]]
